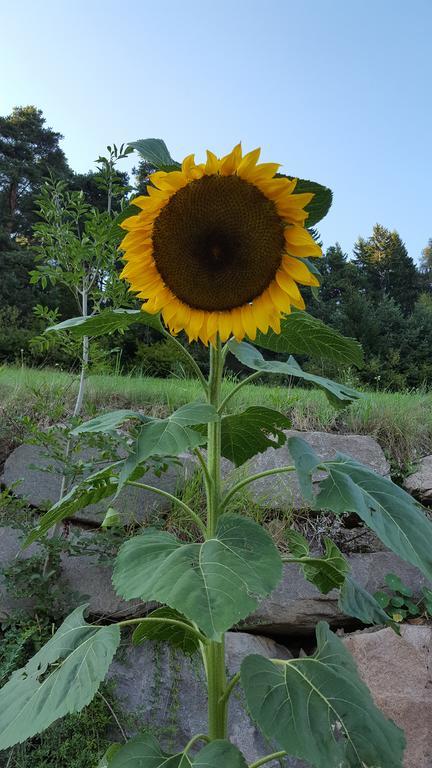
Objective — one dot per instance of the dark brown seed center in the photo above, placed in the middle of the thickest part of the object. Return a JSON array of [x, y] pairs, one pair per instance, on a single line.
[[218, 243]]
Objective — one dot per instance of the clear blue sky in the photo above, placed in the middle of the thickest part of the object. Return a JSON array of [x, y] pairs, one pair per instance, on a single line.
[[336, 90]]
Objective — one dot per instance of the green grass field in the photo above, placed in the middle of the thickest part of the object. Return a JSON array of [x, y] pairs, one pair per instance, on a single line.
[[401, 421]]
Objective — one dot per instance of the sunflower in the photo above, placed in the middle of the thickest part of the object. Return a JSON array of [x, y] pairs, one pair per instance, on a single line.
[[217, 247]]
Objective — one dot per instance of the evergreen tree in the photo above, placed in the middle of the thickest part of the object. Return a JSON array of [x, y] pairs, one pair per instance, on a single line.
[[386, 268], [29, 151]]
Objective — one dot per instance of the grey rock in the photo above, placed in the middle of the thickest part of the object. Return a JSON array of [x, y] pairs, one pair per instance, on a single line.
[[296, 606], [83, 576], [420, 482], [282, 491], [398, 672], [42, 489], [157, 686]]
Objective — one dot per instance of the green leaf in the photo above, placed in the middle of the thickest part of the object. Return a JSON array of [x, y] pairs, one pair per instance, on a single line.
[[155, 152], [163, 632], [317, 708], [105, 762], [145, 752], [397, 602], [107, 422], [392, 513], [327, 572], [320, 204], [251, 432], [302, 334], [396, 583], [99, 485], [169, 437], [61, 678], [215, 584], [338, 394], [297, 544], [108, 321], [382, 598], [355, 601]]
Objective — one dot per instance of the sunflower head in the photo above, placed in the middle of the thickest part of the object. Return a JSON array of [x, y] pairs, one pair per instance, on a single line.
[[218, 247]]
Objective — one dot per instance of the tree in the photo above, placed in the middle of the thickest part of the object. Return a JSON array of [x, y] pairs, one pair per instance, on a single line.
[[387, 269], [29, 151], [426, 267]]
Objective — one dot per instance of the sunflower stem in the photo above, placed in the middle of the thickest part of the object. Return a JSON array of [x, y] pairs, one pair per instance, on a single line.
[[215, 651]]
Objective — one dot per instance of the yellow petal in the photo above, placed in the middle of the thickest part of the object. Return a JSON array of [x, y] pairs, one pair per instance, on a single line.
[[276, 188], [187, 164], [195, 323], [171, 182], [212, 164], [156, 194], [248, 321], [279, 297], [300, 243], [248, 163], [230, 163], [260, 315], [298, 271], [264, 171], [212, 324], [237, 324], [224, 325]]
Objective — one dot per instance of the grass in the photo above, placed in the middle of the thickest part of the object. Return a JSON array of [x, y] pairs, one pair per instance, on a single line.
[[401, 422]]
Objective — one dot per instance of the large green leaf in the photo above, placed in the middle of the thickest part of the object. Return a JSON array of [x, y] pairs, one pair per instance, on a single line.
[[356, 601], [321, 202], [215, 584], [317, 708], [61, 678], [338, 394], [105, 761], [251, 432], [394, 515], [100, 485], [155, 627], [145, 752], [326, 572], [302, 334], [155, 152], [169, 437], [108, 321], [107, 422]]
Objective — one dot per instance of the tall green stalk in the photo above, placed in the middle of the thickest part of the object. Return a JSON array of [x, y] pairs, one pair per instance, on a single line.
[[215, 652]]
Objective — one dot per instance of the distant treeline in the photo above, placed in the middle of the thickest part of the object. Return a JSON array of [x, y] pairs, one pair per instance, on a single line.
[[378, 294]]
